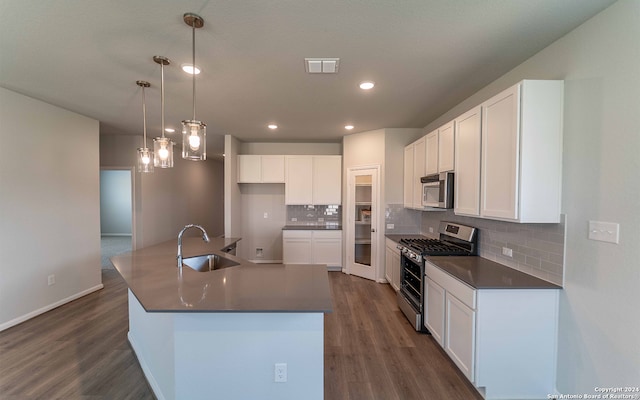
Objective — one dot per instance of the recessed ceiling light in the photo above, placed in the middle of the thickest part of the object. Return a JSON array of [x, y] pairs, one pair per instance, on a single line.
[[348, 127], [169, 130], [188, 68], [272, 126], [366, 85]]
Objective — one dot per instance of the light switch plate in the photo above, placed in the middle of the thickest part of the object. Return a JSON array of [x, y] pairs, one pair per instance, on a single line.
[[604, 231]]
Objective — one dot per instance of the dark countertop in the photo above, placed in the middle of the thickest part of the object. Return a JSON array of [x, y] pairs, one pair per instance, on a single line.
[[320, 227], [481, 273], [153, 277]]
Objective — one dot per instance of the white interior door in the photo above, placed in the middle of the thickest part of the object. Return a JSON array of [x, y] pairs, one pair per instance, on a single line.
[[363, 199]]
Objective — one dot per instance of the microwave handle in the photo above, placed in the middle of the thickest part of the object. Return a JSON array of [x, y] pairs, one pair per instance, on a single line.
[[432, 184]]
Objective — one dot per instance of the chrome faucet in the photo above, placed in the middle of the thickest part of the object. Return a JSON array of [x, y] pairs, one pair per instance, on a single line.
[[205, 237]]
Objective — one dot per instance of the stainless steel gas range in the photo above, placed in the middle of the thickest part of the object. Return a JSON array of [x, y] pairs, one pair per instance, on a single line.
[[455, 240]]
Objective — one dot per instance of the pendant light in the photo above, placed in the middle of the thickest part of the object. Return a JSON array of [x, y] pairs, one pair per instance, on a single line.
[[194, 132], [145, 156], [162, 146]]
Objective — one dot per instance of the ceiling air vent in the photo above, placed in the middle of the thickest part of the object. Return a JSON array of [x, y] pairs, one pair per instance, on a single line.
[[321, 65]]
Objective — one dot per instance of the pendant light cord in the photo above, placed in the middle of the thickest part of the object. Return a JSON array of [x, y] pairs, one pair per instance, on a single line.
[[193, 48], [162, 95], [144, 120]]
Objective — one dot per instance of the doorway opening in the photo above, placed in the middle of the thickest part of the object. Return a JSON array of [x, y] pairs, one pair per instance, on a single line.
[[116, 213]]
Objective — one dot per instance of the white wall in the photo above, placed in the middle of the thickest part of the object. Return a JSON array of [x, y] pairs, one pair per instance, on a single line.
[[599, 308], [49, 207], [260, 232], [115, 202], [168, 199]]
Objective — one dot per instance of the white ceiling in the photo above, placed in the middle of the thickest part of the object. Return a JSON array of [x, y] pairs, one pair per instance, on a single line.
[[424, 55]]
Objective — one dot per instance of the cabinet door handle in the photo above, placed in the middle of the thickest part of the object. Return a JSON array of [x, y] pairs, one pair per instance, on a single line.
[[373, 230]]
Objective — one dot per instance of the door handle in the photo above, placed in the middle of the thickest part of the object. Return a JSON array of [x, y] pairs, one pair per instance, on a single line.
[[373, 230]]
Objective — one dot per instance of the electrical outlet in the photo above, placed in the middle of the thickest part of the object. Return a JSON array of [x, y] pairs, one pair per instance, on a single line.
[[51, 280], [391, 226], [259, 252], [294, 219], [430, 229], [507, 252], [280, 372], [604, 231], [266, 215]]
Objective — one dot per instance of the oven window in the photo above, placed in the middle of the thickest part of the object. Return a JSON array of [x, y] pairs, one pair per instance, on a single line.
[[411, 284]]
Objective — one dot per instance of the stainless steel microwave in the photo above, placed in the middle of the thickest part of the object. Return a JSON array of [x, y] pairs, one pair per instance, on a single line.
[[437, 190]]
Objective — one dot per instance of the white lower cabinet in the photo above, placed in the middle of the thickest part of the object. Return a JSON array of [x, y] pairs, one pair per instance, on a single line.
[[392, 265], [326, 248], [459, 334], [312, 247], [434, 309], [296, 247], [503, 340]]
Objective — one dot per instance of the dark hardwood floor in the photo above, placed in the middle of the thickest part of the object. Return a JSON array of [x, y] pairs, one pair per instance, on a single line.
[[80, 350], [76, 351], [372, 352]]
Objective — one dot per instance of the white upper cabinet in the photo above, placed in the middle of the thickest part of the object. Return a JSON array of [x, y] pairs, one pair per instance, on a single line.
[[272, 169], [414, 167], [419, 151], [431, 162], [249, 169], [440, 150], [313, 180], [522, 153], [327, 182], [508, 155], [260, 168], [298, 188], [446, 152], [408, 176], [467, 163]]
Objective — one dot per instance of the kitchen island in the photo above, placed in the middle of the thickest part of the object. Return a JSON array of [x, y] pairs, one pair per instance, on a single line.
[[219, 334]]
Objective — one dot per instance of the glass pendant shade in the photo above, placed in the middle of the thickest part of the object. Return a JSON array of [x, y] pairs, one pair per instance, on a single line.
[[163, 151], [194, 140], [145, 160], [144, 156]]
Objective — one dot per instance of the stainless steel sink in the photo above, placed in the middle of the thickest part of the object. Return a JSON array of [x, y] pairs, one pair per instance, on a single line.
[[207, 263]]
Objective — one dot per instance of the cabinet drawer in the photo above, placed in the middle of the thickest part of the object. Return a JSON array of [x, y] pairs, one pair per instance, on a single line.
[[462, 291], [296, 234], [335, 234], [392, 246]]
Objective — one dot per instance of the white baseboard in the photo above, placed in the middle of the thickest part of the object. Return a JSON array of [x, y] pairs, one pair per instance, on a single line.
[[145, 369], [337, 268], [49, 307], [116, 234]]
